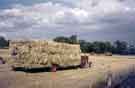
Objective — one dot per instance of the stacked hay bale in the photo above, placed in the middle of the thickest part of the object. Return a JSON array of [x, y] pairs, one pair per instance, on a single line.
[[45, 53]]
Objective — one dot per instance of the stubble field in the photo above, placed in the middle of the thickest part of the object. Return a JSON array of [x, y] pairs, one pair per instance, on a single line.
[[119, 66]]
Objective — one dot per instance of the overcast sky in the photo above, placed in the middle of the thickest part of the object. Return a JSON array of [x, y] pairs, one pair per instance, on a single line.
[[92, 20]]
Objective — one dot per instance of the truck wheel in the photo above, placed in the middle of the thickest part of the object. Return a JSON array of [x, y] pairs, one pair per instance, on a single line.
[[84, 62], [2, 61], [54, 68], [90, 64]]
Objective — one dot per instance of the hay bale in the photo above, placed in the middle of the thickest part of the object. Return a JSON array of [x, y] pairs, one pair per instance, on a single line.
[[108, 54], [46, 53]]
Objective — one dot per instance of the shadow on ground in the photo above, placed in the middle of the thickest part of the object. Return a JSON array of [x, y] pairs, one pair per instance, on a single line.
[[43, 69]]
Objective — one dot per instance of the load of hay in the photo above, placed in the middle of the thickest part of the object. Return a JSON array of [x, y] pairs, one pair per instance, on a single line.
[[108, 54], [44, 53]]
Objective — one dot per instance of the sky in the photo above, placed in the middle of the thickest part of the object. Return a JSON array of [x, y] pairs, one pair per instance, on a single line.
[[92, 20]]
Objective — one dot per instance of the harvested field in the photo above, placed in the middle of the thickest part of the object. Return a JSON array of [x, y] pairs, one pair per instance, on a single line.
[[119, 66]]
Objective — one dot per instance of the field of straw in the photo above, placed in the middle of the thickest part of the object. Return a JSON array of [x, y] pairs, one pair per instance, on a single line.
[[95, 77]]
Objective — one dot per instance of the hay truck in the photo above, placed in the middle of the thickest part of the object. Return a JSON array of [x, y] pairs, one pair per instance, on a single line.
[[36, 54]]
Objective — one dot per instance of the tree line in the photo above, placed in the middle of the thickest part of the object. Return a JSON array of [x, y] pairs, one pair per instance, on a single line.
[[117, 47]]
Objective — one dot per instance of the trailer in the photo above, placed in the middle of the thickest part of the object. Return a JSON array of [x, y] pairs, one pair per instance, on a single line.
[[46, 54]]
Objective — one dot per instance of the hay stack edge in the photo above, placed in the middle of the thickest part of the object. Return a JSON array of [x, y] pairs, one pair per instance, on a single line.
[[39, 53]]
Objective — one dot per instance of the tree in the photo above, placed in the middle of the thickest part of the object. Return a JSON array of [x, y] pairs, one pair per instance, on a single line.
[[71, 40], [86, 46], [96, 47], [108, 47], [131, 50], [61, 39], [3, 42], [120, 46]]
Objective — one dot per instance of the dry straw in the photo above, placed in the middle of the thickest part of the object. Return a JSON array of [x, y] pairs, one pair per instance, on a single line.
[[45, 53]]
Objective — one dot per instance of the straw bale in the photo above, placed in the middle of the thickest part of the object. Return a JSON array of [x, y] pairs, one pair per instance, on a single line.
[[47, 53]]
